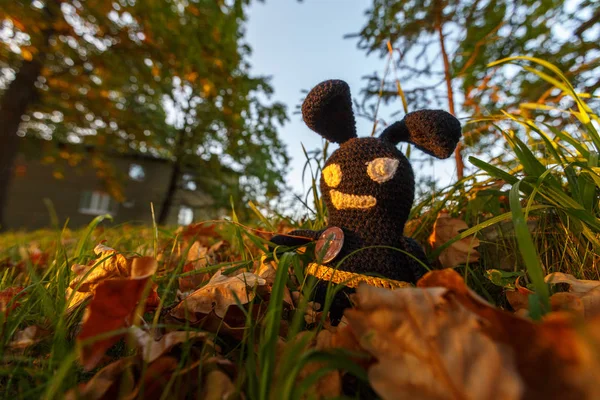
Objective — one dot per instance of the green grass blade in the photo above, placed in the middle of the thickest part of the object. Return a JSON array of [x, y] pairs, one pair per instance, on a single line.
[[527, 249], [83, 241]]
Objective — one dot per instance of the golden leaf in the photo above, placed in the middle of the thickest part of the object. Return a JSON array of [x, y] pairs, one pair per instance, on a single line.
[[588, 291], [58, 175], [18, 24], [192, 76], [460, 252], [26, 54], [429, 346], [217, 295]]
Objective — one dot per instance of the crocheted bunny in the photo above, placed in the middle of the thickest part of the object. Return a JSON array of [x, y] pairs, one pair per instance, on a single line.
[[368, 184]]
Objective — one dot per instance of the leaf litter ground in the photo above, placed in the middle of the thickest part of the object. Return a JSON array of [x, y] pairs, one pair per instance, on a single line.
[[206, 312]]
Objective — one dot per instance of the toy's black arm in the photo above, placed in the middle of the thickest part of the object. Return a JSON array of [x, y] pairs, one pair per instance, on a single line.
[[413, 247], [296, 238]]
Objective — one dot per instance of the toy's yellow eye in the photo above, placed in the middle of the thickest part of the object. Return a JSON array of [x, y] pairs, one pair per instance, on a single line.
[[382, 169], [332, 175]]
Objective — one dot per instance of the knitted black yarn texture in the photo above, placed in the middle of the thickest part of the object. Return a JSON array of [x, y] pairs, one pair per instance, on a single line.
[[327, 110], [374, 241], [434, 132], [381, 225]]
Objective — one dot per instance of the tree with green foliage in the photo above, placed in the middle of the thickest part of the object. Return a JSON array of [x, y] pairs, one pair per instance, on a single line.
[[168, 78], [446, 45]]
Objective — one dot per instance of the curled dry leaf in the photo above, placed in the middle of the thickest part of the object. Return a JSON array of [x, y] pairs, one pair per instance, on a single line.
[[197, 258], [151, 349], [217, 295], [460, 252], [217, 386], [268, 270], [197, 378], [430, 347], [112, 308], [557, 358], [28, 337], [8, 299], [107, 382], [519, 298], [109, 264], [567, 302], [586, 291], [201, 232]]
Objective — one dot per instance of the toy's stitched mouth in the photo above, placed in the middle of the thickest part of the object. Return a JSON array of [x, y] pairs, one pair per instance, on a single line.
[[342, 200]]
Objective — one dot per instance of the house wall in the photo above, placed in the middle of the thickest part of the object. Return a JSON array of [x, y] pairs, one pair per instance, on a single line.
[[34, 182]]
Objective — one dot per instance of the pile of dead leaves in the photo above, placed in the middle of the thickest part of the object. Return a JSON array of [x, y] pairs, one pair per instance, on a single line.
[[442, 341], [438, 340]]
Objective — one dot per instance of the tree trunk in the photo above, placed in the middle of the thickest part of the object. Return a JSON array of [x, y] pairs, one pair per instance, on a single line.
[[19, 95], [171, 190], [460, 165], [174, 180]]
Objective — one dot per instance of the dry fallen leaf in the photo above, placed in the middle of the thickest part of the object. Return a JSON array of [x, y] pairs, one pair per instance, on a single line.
[[201, 232], [266, 270], [217, 386], [557, 358], [567, 302], [460, 252], [107, 382], [587, 291], [430, 347], [8, 299], [109, 264], [217, 295], [112, 308], [28, 337], [519, 298], [151, 349], [197, 258]]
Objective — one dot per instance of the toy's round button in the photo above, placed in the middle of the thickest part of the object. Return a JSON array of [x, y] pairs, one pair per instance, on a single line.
[[329, 244]]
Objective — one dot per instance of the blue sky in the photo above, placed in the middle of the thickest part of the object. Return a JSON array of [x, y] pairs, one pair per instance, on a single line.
[[302, 44]]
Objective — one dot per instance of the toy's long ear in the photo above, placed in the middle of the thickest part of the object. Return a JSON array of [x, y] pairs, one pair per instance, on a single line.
[[435, 132], [327, 110]]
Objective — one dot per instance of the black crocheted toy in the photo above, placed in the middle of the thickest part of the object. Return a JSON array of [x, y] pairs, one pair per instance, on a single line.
[[368, 185]]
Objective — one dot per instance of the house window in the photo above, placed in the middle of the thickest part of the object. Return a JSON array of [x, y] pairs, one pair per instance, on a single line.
[[136, 172], [97, 203], [188, 182], [185, 216]]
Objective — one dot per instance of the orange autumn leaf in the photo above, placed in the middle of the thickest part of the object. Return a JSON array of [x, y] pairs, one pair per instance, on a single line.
[[519, 298], [197, 258], [460, 252], [109, 264], [200, 231], [26, 54], [586, 291], [8, 299], [429, 346], [555, 359], [112, 308], [18, 24], [106, 383], [218, 295]]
